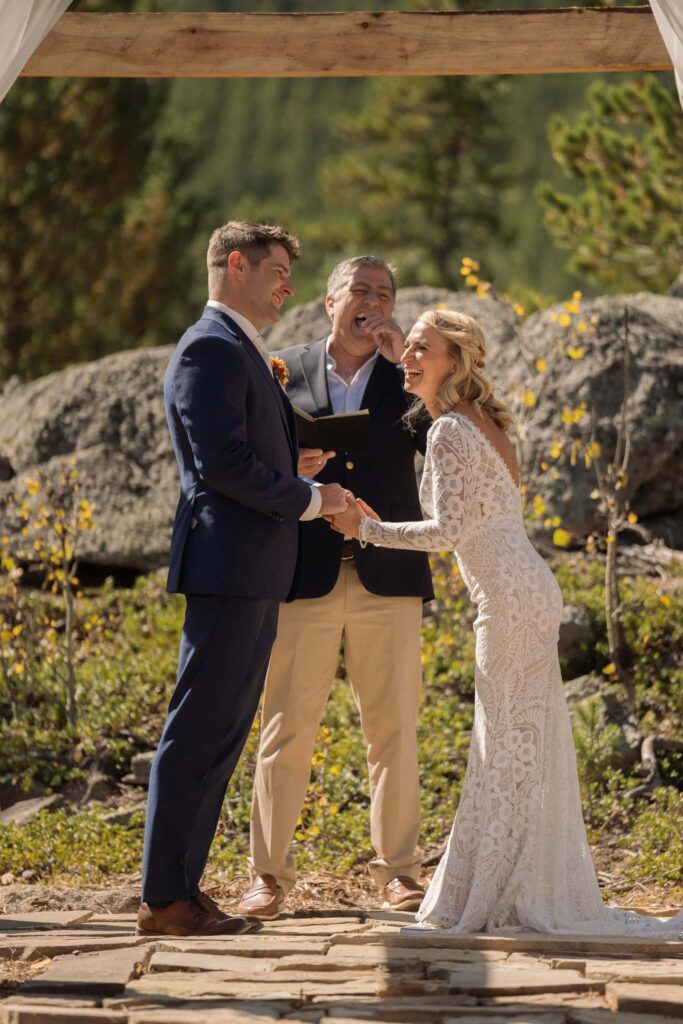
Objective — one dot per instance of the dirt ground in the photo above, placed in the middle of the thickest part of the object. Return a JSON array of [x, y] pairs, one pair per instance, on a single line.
[[314, 891]]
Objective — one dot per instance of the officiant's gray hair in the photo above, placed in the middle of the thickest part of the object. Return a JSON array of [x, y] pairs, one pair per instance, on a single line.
[[343, 271]]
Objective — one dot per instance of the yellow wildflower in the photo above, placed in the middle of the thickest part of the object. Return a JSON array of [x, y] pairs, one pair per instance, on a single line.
[[561, 538]]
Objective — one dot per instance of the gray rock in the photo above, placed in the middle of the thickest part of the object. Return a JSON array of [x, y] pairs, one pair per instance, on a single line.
[[25, 810], [108, 415], [140, 769], [655, 485], [575, 631], [585, 686]]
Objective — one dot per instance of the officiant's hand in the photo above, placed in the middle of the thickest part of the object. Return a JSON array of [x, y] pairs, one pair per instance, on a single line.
[[313, 460], [388, 335], [335, 499]]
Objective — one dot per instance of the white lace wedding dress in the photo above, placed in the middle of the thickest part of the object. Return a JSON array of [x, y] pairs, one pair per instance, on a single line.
[[517, 857]]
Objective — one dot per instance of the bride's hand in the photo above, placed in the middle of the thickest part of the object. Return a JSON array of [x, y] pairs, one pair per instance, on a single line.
[[367, 510], [347, 522]]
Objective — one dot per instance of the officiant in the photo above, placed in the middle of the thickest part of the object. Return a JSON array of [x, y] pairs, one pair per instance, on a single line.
[[369, 599]]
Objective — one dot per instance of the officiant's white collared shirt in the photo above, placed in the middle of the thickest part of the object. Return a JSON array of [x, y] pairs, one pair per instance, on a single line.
[[257, 340], [347, 397]]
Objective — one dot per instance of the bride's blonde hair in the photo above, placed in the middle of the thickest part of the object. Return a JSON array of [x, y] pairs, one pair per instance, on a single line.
[[468, 382]]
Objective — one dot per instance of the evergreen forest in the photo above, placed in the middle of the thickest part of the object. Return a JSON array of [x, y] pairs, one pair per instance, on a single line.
[[101, 175]]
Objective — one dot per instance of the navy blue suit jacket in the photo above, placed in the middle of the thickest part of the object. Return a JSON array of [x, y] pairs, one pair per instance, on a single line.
[[383, 474], [237, 523]]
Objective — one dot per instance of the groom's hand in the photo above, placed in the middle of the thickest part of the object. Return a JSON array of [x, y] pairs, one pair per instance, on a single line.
[[335, 499], [312, 461], [388, 335]]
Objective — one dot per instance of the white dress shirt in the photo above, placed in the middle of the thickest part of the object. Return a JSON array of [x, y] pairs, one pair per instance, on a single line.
[[258, 341], [346, 397]]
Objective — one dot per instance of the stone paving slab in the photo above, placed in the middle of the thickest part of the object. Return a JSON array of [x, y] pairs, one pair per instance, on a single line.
[[95, 974], [656, 972], [519, 942], [165, 960], [185, 984], [663, 999], [313, 964], [381, 954], [258, 1011], [190, 1016], [608, 1017], [31, 947], [316, 929], [38, 920], [252, 947], [59, 1015]]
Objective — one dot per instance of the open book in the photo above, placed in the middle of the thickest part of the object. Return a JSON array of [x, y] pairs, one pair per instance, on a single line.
[[336, 433]]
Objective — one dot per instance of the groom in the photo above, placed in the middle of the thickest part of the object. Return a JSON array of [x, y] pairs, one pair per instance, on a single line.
[[233, 554]]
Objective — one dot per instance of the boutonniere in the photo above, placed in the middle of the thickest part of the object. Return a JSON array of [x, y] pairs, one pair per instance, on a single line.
[[280, 369]]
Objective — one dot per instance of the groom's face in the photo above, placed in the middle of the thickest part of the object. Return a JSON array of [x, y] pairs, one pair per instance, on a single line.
[[367, 291], [267, 286]]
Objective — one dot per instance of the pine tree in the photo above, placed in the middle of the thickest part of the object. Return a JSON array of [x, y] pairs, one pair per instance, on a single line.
[[625, 153], [95, 241], [422, 176]]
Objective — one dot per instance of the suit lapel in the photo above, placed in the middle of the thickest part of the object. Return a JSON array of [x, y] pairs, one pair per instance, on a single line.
[[380, 381], [314, 365], [256, 357]]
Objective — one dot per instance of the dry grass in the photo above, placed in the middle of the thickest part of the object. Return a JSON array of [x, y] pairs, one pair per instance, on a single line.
[[14, 973]]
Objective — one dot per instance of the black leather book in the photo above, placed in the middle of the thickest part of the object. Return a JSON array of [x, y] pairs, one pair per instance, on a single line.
[[337, 433]]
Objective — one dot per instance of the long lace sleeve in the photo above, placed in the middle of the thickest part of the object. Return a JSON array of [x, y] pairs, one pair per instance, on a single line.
[[448, 481]]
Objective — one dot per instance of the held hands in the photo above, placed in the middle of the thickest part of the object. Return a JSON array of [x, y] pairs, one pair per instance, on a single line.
[[387, 334], [348, 521], [334, 499], [312, 461]]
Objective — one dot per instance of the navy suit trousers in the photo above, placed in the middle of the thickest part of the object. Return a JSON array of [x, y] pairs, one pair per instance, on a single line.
[[224, 654]]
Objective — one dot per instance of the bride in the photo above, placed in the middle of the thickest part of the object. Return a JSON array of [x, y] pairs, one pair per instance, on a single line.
[[517, 856]]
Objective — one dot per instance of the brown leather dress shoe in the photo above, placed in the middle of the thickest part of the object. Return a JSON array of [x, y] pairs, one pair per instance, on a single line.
[[402, 893], [264, 898], [255, 924], [187, 917]]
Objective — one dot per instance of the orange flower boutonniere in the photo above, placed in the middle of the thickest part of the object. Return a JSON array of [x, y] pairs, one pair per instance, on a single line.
[[280, 369]]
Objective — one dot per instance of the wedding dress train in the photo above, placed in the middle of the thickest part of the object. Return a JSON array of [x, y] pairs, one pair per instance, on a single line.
[[517, 856]]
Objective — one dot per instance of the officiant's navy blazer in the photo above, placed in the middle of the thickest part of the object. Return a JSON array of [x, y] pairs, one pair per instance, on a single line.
[[237, 522], [383, 474]]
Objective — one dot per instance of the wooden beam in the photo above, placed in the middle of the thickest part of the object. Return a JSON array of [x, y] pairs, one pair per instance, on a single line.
[[356, 44]]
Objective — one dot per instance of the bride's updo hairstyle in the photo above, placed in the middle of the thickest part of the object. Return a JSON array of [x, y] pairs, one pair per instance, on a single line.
[[468, 383]]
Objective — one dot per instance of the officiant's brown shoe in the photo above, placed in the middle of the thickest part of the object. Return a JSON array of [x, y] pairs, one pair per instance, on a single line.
[[264, 898], [187, 917], [402, 893]]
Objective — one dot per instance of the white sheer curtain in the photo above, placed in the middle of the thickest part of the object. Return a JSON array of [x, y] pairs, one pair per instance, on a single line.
[[23, 26], [669, 17]]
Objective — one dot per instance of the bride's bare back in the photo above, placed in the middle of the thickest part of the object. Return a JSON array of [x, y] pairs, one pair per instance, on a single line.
[[496, 437]]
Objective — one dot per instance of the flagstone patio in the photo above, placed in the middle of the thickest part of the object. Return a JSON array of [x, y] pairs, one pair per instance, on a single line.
[[351, 966]]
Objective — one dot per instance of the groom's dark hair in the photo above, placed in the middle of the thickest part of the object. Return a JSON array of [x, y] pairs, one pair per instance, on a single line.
[[252, 240]]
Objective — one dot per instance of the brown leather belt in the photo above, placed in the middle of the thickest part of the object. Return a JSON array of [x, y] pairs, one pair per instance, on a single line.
[[347, 550]]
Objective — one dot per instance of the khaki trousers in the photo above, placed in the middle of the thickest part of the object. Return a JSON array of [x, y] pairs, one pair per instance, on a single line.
[[382, 652]]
